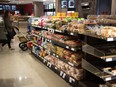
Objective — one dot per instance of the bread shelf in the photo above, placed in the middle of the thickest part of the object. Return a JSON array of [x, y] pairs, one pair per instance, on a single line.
[[108, 39], [64, 60], [97, 72], [57, 56], [74, 49], [59, 72], [99, 53], [57, 31]]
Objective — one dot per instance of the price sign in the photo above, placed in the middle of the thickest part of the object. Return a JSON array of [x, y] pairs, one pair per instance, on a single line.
[[108, 59], [110, 39], [108, 79], [45, 28], [71, 3], [50, 41], [72, 49], [51, 30], [44, 60], [48, 52], [71, 33], [70, 64], [62, 74], [58, 31], [56, 68], [63, 4], [49, 64], [57, 56], [67, 47], [53, 54], [71, 80]]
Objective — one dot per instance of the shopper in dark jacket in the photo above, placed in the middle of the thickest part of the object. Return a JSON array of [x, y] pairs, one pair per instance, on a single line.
[[8, 29]]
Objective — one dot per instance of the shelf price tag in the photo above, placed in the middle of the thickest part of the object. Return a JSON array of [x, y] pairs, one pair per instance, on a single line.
[[51, 30], [72, 49], [71, 33], [58, 31], [67, 47], [110, 39], [48, 52], [62, 74], [49, 64], [108, 59], [56, 68], [70, 64], [44, 60], [57, 56], [53, 54], [108, 79], [71, 80], [50, 41], [42, 57]]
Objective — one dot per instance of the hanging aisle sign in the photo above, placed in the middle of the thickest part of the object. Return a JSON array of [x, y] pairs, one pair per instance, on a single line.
[[71, 4], [63, 4], [67, 4]]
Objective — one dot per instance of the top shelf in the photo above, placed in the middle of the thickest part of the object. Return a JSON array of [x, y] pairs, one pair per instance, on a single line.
[[109, 39], [86, 33], [104, 53]]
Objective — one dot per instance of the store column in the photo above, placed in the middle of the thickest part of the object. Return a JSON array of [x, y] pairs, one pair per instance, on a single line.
[[38, 9], [113, 12]]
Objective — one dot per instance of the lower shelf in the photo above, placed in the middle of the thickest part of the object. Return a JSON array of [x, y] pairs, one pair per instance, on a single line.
[[72, 81], [97, 72]]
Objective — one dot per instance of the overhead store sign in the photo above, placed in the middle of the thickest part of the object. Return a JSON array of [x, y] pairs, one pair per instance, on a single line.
[[67, 4]]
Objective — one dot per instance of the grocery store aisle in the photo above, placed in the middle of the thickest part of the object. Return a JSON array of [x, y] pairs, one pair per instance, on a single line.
[[21, 69]]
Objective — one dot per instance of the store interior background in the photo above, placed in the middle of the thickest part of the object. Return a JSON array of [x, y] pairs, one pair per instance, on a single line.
[[41, 8], [51, 7]]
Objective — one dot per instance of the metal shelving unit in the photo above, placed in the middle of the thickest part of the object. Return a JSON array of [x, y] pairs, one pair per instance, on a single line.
[[74, 49], [97, 57], [72, 81], [98, 53]]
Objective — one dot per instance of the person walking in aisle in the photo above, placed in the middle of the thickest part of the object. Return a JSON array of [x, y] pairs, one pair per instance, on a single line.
[[10, 33]]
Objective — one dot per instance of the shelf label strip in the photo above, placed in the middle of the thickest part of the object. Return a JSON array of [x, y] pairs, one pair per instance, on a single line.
[[71, 80], [108, 79], [70, 64], [62, 74], [108, 59], [110, 39], [67, 47], [71, 33], [49, 64]]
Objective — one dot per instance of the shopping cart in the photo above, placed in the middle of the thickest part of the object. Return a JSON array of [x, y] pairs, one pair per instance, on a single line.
[[23, 41]]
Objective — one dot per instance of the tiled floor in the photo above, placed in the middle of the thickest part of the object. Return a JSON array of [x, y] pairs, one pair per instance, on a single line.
[[21, 69]]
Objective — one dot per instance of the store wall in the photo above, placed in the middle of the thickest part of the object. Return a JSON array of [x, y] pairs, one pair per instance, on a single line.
[[104, 7], [25, 9], [38, 9], [28, 9]]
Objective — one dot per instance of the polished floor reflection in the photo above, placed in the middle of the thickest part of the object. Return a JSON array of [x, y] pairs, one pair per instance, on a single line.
[[17, 82], [21, 69]]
